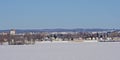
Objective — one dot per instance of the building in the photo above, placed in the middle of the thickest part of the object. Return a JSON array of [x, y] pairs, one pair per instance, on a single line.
[[12, 32]]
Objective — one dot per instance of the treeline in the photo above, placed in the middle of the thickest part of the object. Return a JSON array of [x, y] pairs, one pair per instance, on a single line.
[[28, 38]]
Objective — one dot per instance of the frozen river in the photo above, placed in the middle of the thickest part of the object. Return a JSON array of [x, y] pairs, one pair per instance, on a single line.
[[62, 51]]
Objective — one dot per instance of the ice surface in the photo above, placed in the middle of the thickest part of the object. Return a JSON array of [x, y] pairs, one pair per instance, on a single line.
[[61, 51]]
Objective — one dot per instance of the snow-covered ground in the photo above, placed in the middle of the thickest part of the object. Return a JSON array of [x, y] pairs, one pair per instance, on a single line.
[[90, 41], [52, 42], [62, 51]]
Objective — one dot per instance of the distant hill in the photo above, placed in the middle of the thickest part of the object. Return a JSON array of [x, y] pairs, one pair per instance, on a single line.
[[58, 30]]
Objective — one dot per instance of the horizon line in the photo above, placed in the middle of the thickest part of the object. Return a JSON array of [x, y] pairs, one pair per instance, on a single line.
[[58, 28]]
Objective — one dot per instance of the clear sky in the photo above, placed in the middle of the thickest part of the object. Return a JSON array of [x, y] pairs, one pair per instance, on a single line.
[[43, 14]]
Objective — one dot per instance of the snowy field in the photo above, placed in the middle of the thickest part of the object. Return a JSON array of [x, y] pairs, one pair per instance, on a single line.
[[62, 51]]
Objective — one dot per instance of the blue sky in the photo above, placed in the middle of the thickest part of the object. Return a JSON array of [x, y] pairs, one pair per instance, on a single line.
[[45, 14]]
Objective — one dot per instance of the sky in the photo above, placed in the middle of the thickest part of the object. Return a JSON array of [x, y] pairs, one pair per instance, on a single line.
[[51, 14]]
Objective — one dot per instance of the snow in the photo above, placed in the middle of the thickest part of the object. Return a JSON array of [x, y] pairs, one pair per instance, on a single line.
[[90, 41], [62, 51], [37, 43]]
